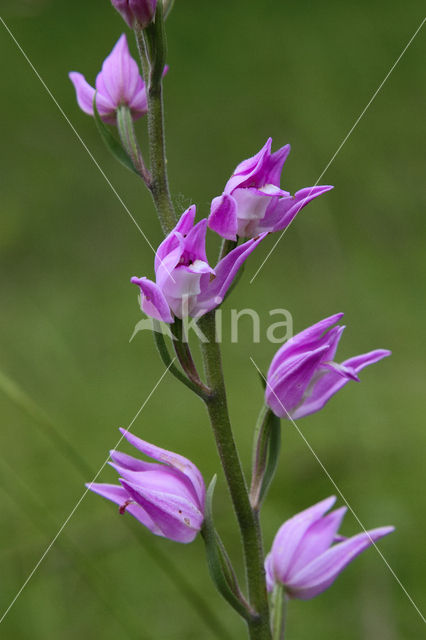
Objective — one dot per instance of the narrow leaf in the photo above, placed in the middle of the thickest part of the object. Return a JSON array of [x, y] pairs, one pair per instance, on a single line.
[[111, 143], [219, 565], [274, 447], [262, 379]]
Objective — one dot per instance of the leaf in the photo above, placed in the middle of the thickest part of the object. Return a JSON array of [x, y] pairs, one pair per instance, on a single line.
[[111, 143], [274, 447], [262, 379], [218, 562]]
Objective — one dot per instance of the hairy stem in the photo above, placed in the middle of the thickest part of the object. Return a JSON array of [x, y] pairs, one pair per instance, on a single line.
[[216, 403], [152, 49]]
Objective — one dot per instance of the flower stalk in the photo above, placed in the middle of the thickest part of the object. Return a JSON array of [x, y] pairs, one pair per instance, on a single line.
[[152, 50], [247, 519], [128, 139], [278, 612]]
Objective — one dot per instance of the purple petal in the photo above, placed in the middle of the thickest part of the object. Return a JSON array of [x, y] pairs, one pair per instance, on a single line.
[[178, 519], [144, 10], [269, 572], [168, 255], [223, 217], [130, 463], [123, 7], [321, 572], [303, 341], [358, 363], [290, 207], [186, 221], [331, 382], [226, 270], [153, 302], [247, 168], [120, 496], [173, 459], [317, 539], [291, 533], [342, 370], [139, 101], [274, 165], [286, 388], [195, 242], [120, 74], [85, 93]]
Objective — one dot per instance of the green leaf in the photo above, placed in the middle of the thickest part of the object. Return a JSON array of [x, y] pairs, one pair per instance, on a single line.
[[262, 379], [111, 143], [274, 447], [219, 564]]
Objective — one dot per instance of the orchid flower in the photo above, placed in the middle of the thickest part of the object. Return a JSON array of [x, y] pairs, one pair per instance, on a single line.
[[118, 84], [185, 282], [253, 201], [166, 496], [303, 376], [303, 557]]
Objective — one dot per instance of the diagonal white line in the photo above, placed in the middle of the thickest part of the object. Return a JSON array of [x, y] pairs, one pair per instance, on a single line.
[[48, 548], [333, 482], [86, 148], [84, 145], [345, 139]]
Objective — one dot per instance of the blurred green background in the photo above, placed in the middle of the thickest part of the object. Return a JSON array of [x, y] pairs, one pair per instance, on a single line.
[[239, 72]]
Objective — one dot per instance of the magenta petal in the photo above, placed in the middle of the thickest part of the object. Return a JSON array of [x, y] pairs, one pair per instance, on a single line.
[[173, 459], [120, 73], [274, 165], [85, 93], [318, 538], [292, 206], [195, 242], [359, 362], [178, 519], [286, 388], [186, 221], [321, 572], [123, 7], [143, 10], [226, 270], [305, 340], [120, 496], [269, 572], [245, 171], [330, 382], [124, 461], [291, 533], [223, 217], [153, 302]]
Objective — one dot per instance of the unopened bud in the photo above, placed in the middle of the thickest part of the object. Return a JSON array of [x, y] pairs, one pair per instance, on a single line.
[[136, 11]]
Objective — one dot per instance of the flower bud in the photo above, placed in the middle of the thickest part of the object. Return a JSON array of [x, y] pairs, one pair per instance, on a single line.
[[136, 11]]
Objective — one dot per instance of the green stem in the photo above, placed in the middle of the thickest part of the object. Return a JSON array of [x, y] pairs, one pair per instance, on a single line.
[[216, 403], [279, 605], [196, 386], [153, 60]]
